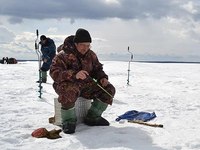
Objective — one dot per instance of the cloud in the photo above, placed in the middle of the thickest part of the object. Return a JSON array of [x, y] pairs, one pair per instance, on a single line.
[[52, 30], [190, 7], [98, 9], [15, 20], [6, 36], [16, 45], [153, 27]]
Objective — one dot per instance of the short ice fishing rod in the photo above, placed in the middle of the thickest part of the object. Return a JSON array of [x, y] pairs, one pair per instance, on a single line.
[[100, 86]]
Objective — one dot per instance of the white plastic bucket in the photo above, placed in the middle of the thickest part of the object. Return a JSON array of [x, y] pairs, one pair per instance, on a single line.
[[81, 108]]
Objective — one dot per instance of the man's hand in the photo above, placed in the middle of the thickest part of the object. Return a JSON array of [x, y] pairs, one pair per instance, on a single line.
[[54, 134], [104, 82], [82, 75], [45, 60]]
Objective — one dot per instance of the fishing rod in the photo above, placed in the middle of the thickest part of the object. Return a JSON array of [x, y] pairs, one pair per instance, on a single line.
[[101, 87]]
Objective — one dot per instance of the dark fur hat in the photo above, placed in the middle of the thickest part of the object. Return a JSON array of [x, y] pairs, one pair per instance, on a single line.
[[43, 37], [81, 36]]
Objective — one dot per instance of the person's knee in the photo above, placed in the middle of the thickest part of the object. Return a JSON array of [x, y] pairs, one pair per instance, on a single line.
[[67, 98], [68, 93], [67, 106]]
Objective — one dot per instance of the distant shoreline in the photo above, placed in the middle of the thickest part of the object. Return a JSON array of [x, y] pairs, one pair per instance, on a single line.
[[189, 62]]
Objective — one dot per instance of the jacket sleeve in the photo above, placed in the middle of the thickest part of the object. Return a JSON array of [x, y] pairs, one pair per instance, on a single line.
[[98, 72], [59, 70]]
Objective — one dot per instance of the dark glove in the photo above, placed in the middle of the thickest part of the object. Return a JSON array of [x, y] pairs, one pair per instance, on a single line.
[[54, 134], [43, 132]]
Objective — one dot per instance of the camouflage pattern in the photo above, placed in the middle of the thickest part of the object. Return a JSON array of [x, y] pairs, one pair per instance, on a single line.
[[66, 64], [67, 42]]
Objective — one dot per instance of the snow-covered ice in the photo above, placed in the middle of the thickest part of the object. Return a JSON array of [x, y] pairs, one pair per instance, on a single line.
[[171, 90]]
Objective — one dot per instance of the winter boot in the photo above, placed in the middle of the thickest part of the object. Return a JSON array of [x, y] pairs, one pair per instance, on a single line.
[[93, 117], [44, 76], [68, 120]]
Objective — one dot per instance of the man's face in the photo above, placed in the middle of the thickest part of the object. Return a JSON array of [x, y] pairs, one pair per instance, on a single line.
[[43, 42], [83, 47]]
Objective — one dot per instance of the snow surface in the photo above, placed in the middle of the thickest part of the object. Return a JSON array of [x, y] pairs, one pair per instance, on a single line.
[[172, 90]]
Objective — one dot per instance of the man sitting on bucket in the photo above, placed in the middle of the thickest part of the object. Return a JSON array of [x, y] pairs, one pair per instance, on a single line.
[[73, 70]]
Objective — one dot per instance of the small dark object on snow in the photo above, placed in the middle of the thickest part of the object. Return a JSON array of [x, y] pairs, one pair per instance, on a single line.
[[8, 60]]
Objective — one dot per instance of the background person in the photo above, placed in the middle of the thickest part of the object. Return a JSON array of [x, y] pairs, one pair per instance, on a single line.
[[48, 49]]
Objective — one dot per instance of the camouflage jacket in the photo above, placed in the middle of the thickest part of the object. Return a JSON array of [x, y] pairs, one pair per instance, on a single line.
[[68, 62]]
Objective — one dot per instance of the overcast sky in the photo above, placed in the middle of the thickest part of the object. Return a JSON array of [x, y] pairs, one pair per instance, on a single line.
[[153, 29]]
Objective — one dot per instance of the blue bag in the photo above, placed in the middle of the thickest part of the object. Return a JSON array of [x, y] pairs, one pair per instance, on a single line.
[[136, 115]]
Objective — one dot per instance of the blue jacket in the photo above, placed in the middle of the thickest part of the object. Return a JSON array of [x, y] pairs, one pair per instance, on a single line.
[[48, 52]]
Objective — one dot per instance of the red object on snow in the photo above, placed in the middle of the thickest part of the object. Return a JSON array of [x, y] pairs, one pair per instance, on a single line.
[[40, 133]]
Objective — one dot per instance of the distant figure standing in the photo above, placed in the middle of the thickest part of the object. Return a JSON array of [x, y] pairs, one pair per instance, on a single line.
[[48, 49], [2, 61], [6, 59]]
